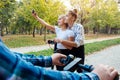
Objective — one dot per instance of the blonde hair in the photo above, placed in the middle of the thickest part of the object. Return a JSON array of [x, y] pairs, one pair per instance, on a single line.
[[74, 13], [62, 16]]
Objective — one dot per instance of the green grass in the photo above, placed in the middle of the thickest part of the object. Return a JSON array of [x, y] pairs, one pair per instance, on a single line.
[[14, 41], [97, 46], [89, 48], [43, 52]]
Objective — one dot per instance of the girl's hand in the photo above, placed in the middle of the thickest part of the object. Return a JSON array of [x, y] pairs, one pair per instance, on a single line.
[[34, 14], [57, 40]]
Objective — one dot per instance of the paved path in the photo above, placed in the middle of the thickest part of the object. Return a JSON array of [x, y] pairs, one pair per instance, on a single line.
[[109, 56], [43, 47]]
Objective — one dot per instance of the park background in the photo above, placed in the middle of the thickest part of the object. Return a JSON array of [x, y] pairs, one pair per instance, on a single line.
[[18, 28]]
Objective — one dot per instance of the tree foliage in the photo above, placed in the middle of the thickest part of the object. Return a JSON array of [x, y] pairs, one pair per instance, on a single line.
[[6, 12], [98, 14], [48, 10]]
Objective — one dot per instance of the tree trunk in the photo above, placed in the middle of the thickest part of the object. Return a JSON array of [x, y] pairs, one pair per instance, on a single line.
[[41, 30], [45, 34], [94, 30], [108, 29], [2, 33], [6, 30], [34, 31], [86, 30]]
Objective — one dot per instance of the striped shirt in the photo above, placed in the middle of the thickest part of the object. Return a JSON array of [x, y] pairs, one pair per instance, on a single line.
[[79, 34]]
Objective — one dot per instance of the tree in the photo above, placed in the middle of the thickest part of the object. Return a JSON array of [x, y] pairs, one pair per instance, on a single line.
[[46, 9], [104, 15], [84, 7], [6, 13], [97, 14]]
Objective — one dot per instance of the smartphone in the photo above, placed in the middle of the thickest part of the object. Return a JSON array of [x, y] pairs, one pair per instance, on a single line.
[[33, 11]]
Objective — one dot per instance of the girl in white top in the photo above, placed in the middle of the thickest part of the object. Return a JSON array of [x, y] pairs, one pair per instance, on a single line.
[[62, 33]]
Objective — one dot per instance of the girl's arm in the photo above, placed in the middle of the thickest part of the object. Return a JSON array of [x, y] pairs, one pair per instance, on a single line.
[[79, 39], [69, 43], [48, 26], [71, 39]]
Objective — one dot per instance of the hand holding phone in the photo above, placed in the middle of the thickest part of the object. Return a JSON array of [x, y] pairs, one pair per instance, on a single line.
[[33, 11]]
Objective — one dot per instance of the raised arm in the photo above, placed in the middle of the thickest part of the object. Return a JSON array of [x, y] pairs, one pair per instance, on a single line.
[[48, 26]]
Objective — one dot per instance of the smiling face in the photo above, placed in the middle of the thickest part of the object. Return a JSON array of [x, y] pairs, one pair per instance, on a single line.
[[71, 16], [61, 20]]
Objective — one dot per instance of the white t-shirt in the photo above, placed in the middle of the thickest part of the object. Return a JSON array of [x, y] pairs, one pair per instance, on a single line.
[[64, 35]]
